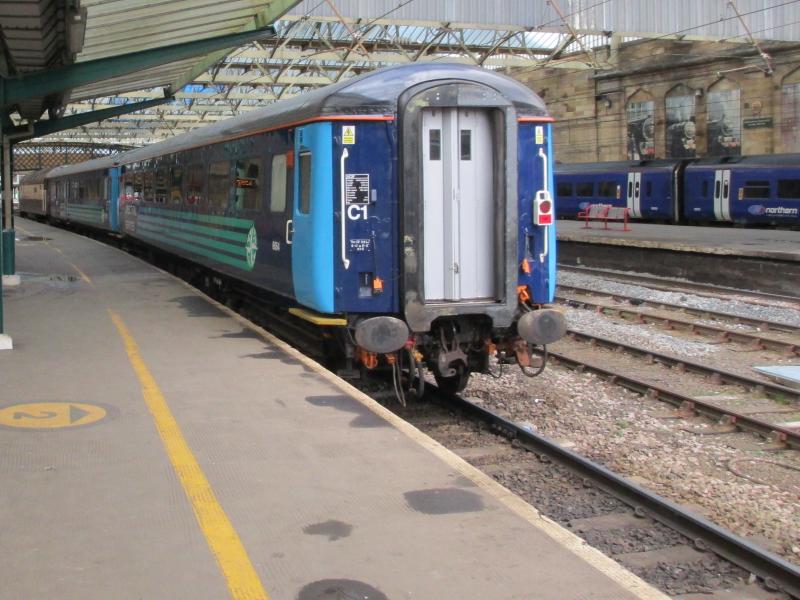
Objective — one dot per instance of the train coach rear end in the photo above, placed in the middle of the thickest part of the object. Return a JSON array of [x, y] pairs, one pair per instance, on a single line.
[[408, 210]]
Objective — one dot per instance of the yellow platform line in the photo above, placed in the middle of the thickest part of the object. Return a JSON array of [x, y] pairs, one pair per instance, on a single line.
[[242, 579]]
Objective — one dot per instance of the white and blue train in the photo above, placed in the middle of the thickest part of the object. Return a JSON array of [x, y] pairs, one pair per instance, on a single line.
[[408, 208], [747, 190]]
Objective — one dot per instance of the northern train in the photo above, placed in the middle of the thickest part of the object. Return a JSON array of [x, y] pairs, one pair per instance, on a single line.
[[408, 210], [747, 190]]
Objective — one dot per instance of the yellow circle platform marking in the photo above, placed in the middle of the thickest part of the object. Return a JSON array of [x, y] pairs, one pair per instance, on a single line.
[[50, 415]]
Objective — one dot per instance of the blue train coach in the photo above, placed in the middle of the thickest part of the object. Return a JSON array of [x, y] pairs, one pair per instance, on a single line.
[[744, 189], [649, 189], [407, 209]]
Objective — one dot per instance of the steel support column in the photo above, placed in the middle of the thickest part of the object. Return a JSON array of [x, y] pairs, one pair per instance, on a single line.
[[5, 341]]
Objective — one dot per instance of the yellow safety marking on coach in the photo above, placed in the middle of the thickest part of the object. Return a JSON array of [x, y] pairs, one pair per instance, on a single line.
[[50, 415], [242, 579]]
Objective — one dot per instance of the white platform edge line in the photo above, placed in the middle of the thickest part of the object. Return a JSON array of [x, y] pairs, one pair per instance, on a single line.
[[604, 564]]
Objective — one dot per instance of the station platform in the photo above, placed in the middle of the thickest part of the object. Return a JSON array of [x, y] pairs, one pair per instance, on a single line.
[[154, 444], [764, 260], [728, 241]]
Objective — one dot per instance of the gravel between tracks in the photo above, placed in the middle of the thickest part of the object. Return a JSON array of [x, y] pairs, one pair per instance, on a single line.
[[635, 438], [731, 306]]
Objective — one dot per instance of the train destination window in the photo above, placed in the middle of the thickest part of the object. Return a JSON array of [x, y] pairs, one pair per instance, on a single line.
[[606, 189], [584, 189], [194, 184], [176, 185], [789, 188], [564, 188], [305, 182], [755, 189], [435, 144], [218, 183], [247, 184], [466, 144], [162, 182], [277, 197]]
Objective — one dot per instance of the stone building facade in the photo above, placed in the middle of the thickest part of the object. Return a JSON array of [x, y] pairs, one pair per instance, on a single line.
[[672, 99]]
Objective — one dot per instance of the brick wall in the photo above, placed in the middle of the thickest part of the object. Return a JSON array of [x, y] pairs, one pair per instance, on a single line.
[[590, 105]]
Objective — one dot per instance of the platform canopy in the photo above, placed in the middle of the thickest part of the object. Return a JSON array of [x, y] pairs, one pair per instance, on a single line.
[[313, 43]]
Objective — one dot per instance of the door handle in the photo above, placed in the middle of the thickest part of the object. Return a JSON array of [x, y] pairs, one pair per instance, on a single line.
[[342, 208], [289, 231]]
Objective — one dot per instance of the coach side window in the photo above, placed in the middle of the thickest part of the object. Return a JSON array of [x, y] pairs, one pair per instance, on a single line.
[[247, 184], [754, 189], [584, 190], [194, 176], [606, 189], [162, 183], [176, 185], [218, 183], [305, 182], [147, 187], [277, 192], [789, 188], [564, 189], [138, 177]]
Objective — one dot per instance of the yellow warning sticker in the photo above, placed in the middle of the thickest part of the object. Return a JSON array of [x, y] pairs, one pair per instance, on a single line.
[[539, 135], [50, 415], [349, 134]]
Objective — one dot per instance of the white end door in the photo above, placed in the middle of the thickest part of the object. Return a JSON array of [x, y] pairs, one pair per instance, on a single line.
[[459, 212]]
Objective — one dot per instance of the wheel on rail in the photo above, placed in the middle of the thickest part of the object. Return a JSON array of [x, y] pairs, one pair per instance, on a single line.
[[455, 383]]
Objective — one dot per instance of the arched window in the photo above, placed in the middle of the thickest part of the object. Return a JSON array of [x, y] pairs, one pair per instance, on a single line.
[[724, 119], [641, 126], [790, 112], [681, 129]]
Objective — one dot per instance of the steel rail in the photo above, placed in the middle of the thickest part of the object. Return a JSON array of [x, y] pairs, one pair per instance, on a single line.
[[768, 388], [721, 334], [699, 312], [774, 570], [670, 284], [776, 433]]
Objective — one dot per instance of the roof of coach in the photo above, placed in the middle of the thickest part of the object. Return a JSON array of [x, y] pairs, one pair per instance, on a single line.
[[758, 160], [373, 93], [619, 165], [35, 177]]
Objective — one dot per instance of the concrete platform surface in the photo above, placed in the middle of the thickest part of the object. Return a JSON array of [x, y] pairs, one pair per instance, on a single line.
[[731, 241], [154, 445]]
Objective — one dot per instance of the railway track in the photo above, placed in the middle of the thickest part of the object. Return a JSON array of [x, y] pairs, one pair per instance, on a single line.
[[719, 334], [717, 374], [732, 419], [761, 324], [670, 285], [634, 509]]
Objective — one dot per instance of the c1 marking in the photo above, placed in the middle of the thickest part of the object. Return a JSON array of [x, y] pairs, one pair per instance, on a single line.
[[356, 212], [50, 415]]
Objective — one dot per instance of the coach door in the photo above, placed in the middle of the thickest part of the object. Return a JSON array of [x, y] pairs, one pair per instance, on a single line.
[[722, 195], [634, 196], [458, 205], [312, 217]]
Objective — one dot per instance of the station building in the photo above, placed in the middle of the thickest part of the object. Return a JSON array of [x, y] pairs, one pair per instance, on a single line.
[[656, 99]]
